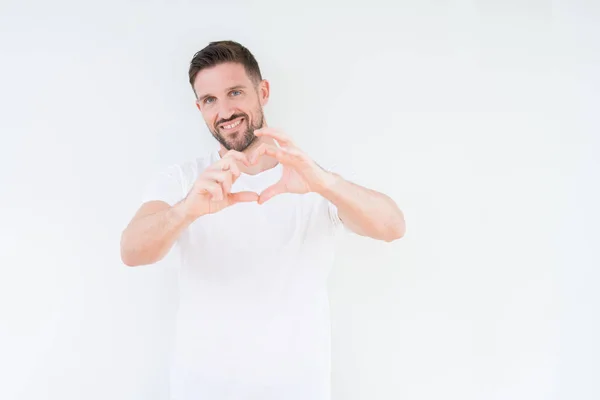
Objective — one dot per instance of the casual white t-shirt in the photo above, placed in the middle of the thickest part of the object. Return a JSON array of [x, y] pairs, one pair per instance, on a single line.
[[253, 319]]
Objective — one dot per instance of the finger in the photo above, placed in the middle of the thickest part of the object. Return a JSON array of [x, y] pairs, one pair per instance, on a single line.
[[215, 175], [281, 138], [270, 192], [235, 171], [224, 178], [294, 151], [265, 149], [229, 159], [213, 188], [225, 164], [297, 157], [236, 155], [242, 197]]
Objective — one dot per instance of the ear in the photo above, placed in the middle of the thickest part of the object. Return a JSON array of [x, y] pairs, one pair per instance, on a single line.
[[263, 92], [197, 105]]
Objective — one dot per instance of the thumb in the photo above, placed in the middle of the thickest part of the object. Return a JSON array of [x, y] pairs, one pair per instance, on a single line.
[[271, 191], [242, 197]]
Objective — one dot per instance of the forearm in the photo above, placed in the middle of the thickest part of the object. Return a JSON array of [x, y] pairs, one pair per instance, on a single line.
[[148, 239], [364, 211]]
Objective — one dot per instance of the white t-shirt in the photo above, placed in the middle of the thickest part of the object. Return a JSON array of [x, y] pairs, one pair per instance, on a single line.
[[253, 319]]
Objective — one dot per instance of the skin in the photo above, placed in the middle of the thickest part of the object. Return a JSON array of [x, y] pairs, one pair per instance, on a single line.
[[226, 95]]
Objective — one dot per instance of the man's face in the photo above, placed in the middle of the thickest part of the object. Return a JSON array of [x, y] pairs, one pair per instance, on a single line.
[[231, 104]]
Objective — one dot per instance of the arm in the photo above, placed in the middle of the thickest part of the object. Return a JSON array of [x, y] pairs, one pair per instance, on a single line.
[[157, 225], [152, 232], [364, 211]]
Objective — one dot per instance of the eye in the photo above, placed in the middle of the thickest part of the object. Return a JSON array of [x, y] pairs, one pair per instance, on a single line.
[[208, 100], [236, 91]]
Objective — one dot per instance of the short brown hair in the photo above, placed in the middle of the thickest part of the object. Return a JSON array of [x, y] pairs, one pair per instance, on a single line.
[[221, 52]]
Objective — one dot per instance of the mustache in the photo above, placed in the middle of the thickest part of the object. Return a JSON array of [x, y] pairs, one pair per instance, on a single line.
[[235, 116]]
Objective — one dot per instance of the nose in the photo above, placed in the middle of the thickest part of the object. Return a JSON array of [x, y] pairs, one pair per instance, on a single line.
[[226, 111]]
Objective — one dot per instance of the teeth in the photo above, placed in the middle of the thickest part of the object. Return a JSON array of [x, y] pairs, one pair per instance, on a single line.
[[232, 125]]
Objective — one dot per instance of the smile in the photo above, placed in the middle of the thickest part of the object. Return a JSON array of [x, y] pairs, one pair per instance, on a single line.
[[232, 125]]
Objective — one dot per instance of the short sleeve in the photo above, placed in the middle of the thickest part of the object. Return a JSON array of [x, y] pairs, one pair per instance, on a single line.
[[333, 211], [333, 214], [166, 185], [345, 172]]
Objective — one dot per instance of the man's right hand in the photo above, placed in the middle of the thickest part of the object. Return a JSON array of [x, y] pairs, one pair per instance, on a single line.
[[212, 190]]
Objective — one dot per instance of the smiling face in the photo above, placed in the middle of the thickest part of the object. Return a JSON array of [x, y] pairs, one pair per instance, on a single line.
[[231, 104]]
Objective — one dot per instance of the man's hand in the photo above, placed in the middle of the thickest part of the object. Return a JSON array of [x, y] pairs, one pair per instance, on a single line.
[[364, 211], [212, 190], [300, 173]]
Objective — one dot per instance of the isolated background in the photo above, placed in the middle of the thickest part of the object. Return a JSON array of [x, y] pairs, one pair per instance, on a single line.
[[476, 116]]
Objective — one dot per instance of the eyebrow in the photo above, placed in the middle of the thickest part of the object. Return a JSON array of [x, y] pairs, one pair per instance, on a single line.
[[229, 89]]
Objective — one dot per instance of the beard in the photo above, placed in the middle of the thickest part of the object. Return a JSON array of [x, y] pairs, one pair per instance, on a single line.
[[239, 140]]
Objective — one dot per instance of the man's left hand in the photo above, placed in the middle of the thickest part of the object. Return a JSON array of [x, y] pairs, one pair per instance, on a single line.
[[300, 173]]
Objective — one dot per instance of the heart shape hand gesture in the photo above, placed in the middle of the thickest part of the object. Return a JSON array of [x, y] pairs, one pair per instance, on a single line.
[[212, 190], [300, 173]]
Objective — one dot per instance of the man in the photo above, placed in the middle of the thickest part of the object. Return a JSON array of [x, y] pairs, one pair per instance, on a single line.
[[254, 221]]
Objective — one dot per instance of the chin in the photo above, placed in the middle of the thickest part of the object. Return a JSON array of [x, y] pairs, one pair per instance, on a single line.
[[243, 145]]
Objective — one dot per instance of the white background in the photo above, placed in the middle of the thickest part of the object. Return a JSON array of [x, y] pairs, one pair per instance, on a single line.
[[477, 117]]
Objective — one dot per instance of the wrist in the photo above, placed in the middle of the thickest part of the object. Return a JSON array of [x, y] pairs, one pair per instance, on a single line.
[[183, 212], [326, 181]]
